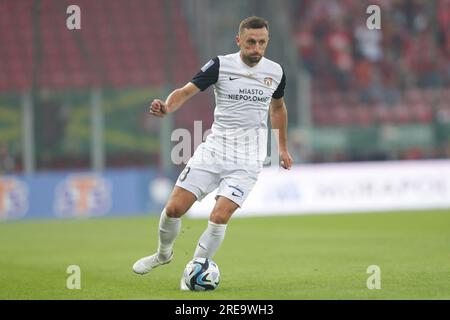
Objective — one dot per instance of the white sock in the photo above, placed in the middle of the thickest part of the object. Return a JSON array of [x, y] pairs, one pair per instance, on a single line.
[[210, 240], [168, 231]]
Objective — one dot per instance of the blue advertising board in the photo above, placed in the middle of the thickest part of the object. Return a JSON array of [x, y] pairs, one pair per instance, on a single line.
[[83, 194]]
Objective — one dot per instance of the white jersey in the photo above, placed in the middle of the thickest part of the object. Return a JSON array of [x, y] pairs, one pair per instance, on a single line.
[[243, 95]]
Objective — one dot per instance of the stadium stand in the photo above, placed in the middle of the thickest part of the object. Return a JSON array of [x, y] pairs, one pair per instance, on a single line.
[[363, 76], [121, 44], [397, 76]]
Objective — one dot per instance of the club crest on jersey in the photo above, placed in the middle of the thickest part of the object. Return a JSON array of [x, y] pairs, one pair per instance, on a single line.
[[268, 81]]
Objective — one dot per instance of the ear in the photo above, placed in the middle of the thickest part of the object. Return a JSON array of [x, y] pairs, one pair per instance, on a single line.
[[238, 41]]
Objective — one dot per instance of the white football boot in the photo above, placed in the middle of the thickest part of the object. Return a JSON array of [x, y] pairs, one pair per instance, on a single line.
[[146, 264], [183, 286]]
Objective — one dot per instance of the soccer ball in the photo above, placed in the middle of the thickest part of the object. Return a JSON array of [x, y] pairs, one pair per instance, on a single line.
[[201, 274]]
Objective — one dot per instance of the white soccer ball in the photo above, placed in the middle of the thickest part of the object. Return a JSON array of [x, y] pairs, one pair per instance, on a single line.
[[201, 274]]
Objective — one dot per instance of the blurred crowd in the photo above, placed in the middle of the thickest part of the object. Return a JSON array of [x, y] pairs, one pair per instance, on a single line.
[[412, 48], [372, 79], [392, 76]]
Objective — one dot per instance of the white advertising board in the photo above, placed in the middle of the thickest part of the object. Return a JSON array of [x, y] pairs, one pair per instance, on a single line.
[[344, 187]]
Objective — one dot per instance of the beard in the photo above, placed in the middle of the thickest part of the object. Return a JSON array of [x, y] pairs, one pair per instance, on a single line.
[[253, 58]]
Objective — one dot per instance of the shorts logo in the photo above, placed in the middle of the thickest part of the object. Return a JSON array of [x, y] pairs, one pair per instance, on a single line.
[[13, 198], [184, 174], [82, 196], [238, 192], [268, 81]]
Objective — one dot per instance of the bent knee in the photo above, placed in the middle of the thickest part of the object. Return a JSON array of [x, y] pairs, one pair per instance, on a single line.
[[220, 216], [174, 211]]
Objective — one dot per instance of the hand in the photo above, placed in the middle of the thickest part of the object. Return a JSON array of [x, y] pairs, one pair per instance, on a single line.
[[158, 108], [286, 159]]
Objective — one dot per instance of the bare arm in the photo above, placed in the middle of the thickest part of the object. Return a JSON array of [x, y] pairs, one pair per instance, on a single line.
[[174, 101], [278, 118]]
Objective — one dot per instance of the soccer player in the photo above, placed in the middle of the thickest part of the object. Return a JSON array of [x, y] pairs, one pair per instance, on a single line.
[[247, 87]]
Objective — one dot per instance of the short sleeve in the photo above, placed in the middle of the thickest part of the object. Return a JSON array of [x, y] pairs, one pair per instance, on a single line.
[[208, 74], [279, 93]]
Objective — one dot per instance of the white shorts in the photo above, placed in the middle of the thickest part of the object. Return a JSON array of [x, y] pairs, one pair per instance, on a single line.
[[205, 172]]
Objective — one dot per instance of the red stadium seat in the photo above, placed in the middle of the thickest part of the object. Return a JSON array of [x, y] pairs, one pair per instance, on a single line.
[[116, 39]]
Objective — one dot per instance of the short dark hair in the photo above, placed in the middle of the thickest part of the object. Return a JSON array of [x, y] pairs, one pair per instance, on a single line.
[[253, 22]]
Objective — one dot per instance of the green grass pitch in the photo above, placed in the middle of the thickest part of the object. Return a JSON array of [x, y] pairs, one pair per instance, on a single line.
[[280, 257]]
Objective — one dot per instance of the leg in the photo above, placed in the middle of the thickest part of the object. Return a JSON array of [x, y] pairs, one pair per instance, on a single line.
[[233, 190], [169, 226], [170, 222], [179, 202], [214, 234], [223, 210]]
